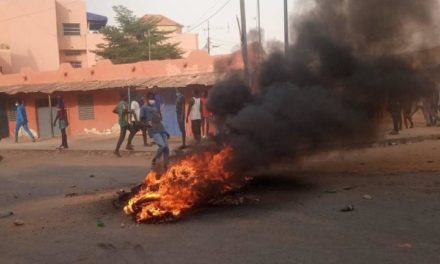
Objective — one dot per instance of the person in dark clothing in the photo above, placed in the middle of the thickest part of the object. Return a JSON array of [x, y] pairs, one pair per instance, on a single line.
[[63, 123], [195, 114], [122, 110], [143, 127], [152, 118], [395, 109], [180, 111]]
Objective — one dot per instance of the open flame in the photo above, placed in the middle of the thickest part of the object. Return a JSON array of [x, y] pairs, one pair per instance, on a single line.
[[186, 183]]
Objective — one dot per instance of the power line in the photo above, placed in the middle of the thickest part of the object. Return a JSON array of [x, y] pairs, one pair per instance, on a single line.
[[204, 14], [213, 15]]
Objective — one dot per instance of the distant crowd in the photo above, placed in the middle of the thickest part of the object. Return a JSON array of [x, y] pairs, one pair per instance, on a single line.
[[143, 114], [402, 112]]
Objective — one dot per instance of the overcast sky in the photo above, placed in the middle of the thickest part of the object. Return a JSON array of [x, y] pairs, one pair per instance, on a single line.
[[190, 13]]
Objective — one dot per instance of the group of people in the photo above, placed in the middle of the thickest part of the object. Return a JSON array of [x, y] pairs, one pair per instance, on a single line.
[[402, 112], [21, 121], [144, 114]]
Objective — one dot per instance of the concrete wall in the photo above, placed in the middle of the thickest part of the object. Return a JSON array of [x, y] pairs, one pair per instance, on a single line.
[[29, 28]]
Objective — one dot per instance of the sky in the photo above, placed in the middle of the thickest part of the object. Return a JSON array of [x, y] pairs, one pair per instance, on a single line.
[[190, 13]]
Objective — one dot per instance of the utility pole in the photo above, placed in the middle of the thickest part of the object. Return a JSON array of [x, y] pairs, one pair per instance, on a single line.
[[244, 46], [259, 23], [209, 38], [286, 27]]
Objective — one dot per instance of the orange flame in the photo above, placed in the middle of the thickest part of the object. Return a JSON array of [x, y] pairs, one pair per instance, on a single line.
[[184, 184]]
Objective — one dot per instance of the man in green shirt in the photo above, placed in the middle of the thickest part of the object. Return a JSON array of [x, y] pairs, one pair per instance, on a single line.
[[122, 110]]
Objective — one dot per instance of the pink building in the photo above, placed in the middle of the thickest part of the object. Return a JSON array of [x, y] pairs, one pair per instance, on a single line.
[[42, 34], [91, 93]]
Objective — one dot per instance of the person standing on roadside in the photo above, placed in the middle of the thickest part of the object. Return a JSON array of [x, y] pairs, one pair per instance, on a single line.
[[143, 126], [153, 120], [61, 117], [22, 121], [180, 112], [206, 115], [123, 111], [195, 114]]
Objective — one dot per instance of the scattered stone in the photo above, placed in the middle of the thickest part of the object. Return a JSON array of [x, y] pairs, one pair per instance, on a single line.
[[18, 222], [348, 188], [99, 223], [122, 225], [73, 186], [430, 161], [348, 208], [71, 195], [6, 214], [367, 197], [330, 191], [92, 176], [405, 245]]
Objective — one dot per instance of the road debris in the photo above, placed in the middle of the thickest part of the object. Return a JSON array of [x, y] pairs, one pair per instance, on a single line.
[[18, 222], [330, 191], [405, 245], [6, 214], [367, 197], [348, 208], [99, 223], [92, 176], [348, 188], [69, 195]]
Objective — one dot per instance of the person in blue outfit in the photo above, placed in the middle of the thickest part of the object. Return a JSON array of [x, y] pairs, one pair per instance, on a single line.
[[151, 117], [22, 121]]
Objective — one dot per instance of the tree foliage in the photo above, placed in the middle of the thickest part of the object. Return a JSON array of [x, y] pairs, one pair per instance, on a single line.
[[133, 39]]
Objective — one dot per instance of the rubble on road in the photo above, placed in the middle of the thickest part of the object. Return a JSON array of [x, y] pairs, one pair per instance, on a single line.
[[18, 222], [367, 197], [348, 208], [6, 214]]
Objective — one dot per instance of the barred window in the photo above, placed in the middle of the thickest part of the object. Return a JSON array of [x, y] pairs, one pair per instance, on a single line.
[[71, 29], [12, 109], [72, 52], [86, 107], [76, 64]]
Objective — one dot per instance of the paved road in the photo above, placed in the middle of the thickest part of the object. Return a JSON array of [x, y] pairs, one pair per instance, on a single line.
[[297, 220]]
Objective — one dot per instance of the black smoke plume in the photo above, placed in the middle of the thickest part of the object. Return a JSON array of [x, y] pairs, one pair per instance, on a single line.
[[333, 87]]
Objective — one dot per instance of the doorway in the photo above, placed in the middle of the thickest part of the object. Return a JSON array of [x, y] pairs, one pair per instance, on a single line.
[[4, 125], [44, 118]]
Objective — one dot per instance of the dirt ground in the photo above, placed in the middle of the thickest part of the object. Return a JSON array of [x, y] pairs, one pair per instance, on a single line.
[[298, 218]]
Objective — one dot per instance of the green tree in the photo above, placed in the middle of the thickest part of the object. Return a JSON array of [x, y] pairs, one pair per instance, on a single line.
[[135, 39]]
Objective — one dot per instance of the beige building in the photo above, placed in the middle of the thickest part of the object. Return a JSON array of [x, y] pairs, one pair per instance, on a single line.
[[188, 42], [42, 34]]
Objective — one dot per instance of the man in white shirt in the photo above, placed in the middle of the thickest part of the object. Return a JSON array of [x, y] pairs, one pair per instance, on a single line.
[[195, 113]]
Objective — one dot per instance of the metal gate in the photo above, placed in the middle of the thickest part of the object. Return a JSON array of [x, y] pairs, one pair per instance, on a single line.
[[44, 118], [4, 125]]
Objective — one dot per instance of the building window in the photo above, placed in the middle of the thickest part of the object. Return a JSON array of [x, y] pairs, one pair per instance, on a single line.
[[12, 109], [76, 64], [71, 29], [86, 107], [72, 53]]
